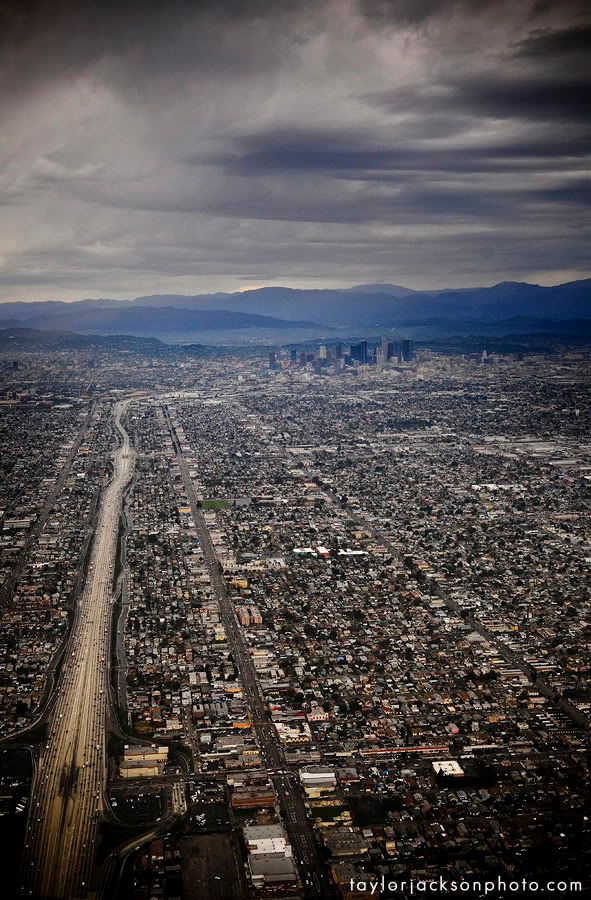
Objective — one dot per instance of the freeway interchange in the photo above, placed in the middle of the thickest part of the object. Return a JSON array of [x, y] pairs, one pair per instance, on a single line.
[[68, 786]]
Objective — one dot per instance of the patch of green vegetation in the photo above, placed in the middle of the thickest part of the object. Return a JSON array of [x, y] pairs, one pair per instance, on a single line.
[[140, 729], [214, 504]]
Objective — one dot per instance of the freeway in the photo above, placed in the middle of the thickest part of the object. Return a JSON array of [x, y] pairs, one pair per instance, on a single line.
[[299, 827], [68, 785]]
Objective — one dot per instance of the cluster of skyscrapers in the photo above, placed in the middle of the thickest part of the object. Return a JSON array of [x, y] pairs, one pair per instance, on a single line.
[[364, 353]]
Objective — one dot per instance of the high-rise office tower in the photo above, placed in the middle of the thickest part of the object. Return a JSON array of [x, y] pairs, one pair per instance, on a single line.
[[359, 352], [407, 350]]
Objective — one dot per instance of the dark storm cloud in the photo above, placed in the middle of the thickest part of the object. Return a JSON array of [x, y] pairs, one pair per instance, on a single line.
[[563, 43], [300, 149], [403, 12], [304, 150], [41, 40], [194, 145], [576, 192], [45, 37], [528, 99], [536, 97], [419, 12]]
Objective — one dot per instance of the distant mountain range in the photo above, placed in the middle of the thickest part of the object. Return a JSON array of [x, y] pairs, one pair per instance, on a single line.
[[33, 338], [106, 317], [368, 306]]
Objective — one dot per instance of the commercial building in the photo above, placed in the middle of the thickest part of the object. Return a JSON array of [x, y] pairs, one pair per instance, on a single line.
[[143, 762], [269, 855]]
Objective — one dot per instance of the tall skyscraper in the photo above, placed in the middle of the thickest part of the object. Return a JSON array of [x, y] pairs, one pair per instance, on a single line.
[[407, 350], [359, 352]]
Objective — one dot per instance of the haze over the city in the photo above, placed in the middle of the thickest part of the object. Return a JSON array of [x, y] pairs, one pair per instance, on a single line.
[[159, 148]]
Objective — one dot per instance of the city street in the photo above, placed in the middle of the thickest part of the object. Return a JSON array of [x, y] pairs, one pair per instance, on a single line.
[[298, 825]]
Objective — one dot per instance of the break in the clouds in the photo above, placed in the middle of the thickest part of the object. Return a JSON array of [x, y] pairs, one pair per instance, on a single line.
[[148, 147]]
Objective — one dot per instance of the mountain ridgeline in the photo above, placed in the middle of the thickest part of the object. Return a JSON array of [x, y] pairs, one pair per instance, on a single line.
[[506, 307]]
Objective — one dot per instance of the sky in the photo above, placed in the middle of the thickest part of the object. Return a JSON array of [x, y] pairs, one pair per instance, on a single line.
[[186, 147]]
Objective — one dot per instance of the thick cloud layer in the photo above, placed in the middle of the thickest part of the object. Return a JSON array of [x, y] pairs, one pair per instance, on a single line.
[[148, 147]]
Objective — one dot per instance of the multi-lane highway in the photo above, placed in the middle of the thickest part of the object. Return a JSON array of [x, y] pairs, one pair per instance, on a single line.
[[301, 834], [68, 785]]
